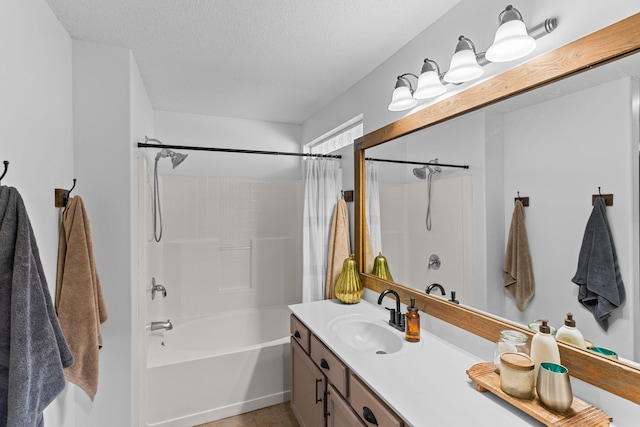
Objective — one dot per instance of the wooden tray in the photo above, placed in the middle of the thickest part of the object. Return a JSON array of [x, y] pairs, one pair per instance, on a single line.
[[581, 414]]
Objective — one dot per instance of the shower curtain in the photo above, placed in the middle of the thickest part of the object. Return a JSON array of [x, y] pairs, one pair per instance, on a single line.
[[372, 209], [323, 179]]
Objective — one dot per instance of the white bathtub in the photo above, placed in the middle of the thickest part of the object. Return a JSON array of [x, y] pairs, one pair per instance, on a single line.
[[215, 367]]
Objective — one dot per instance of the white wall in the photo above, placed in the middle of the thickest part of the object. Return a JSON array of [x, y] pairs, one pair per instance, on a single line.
[[110, 111], [36, 131], [223, 132]]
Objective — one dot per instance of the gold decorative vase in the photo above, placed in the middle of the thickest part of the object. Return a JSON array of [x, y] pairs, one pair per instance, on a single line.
[[349, 288], [381, 268]]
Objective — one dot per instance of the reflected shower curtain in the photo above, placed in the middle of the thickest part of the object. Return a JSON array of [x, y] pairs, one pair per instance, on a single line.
[[372, 208], [323, 179]]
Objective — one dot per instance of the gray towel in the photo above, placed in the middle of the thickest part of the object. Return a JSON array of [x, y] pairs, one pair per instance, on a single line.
[[33, 351], [598, 275]]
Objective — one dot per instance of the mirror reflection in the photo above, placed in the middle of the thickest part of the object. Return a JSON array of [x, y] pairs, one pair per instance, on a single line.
[[558, 146]]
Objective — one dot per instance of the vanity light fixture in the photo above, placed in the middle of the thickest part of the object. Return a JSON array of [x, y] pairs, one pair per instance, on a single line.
[[402, 98], [429, 83], [464, 63], [512, 41]]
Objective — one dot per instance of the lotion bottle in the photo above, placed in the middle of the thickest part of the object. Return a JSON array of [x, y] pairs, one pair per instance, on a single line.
[[412, 323], [569, 334], [544, 347]]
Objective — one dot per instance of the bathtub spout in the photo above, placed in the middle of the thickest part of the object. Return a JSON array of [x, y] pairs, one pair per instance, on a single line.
[[154, 326]]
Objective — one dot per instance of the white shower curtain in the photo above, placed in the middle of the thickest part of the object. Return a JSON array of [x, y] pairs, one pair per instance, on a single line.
[[323, 179], [372, 194]]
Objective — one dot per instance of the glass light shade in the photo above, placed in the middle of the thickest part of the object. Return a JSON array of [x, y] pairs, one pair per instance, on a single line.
[[402, 99], [464, 67], [510, 43], [429, 86]]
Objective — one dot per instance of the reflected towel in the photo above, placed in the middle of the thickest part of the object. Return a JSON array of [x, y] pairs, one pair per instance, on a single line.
[[79, 301], [598, 274], [33, 351], [518, 270], [339, 246]]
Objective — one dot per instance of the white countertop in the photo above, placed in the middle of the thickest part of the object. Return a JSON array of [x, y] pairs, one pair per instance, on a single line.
[[425, 383]]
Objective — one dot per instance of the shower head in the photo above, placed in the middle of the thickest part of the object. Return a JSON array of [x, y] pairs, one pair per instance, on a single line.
[[176, 158], [421, 172]]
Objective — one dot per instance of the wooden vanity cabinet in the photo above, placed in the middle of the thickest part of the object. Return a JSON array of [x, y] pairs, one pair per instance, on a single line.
[[308, 388], [325, 393], [339, 413]]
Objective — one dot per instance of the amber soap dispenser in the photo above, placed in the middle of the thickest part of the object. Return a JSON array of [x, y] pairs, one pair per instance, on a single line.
[[412, 323]]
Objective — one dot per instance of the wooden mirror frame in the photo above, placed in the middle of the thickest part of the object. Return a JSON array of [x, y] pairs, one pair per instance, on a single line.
[[609, 44]]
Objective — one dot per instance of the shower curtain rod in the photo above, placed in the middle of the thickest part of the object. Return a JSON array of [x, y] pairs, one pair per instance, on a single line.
[[418, 163], [234, 150]]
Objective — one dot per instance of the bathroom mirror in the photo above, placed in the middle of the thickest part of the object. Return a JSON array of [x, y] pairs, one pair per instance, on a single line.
[[499, 143]]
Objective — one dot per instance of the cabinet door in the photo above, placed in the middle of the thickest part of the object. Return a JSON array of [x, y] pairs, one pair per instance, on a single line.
[[369, 407], [307, 388], [339, 413]]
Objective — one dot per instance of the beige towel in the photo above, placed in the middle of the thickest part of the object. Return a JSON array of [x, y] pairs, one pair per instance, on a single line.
[[79, 302], [369, 258], [518, 271], [339, 246]]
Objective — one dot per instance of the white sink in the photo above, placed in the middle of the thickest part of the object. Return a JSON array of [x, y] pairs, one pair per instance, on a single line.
[[367, 334]]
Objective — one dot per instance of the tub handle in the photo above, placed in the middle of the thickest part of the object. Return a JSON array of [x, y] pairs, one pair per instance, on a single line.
[[296, 334], [324, 364], [368, 416], [318, 381]]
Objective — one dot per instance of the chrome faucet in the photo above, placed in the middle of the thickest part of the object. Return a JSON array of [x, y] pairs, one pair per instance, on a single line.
[[396, 318], [435, 285], [157, 288], [154, 326]]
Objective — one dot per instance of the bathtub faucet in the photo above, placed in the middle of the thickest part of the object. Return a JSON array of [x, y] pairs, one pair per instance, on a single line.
[[154, 326]]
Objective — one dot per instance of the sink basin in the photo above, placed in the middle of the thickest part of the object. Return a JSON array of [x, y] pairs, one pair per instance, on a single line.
[[366, 334]]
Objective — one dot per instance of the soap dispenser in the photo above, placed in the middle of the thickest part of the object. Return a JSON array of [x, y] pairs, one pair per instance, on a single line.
[[544, 347], [569, 334], [412, 323]]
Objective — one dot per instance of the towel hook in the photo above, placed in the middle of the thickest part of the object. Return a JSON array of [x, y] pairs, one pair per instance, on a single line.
[[61, 196], [6, 168], [523, 200], [608, 198]]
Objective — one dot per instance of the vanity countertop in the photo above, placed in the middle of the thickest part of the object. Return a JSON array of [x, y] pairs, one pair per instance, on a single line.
[[425, 383]]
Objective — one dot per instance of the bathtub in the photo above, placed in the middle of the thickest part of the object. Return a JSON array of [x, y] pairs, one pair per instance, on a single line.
[[210, 368]]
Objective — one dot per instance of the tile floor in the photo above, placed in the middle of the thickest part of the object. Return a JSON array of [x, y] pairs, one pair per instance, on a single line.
[[272, 416]]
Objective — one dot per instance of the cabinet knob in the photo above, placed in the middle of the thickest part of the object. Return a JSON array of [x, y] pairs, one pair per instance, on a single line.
[[368, 416], [296, 334], [324, 364]]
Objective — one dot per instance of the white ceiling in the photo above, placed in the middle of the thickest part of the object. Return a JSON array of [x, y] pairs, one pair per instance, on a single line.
[[274, 60]]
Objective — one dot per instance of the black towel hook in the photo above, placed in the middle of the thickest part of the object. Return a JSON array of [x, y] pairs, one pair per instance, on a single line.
[[6, 168], [65, 196]]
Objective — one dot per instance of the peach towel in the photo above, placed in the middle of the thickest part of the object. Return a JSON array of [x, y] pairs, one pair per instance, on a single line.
[[339, 246], [79, 302], [518, 270]]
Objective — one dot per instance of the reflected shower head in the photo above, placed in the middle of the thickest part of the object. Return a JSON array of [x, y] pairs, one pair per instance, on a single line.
[[421, 172], [176, 158]]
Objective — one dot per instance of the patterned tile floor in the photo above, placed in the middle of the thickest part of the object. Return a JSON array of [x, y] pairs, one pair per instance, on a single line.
[[272, 416]]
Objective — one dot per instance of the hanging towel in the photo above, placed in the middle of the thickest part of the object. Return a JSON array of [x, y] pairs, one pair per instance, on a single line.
[[518, 270], [33, 351], [339, 246], [79, 301], [598, 275]]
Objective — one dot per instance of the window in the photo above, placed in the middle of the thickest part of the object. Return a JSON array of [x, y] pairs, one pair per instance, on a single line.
[[337, 138]]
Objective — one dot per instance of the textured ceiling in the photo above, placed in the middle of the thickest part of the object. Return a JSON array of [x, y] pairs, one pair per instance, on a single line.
[[275, 60]]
